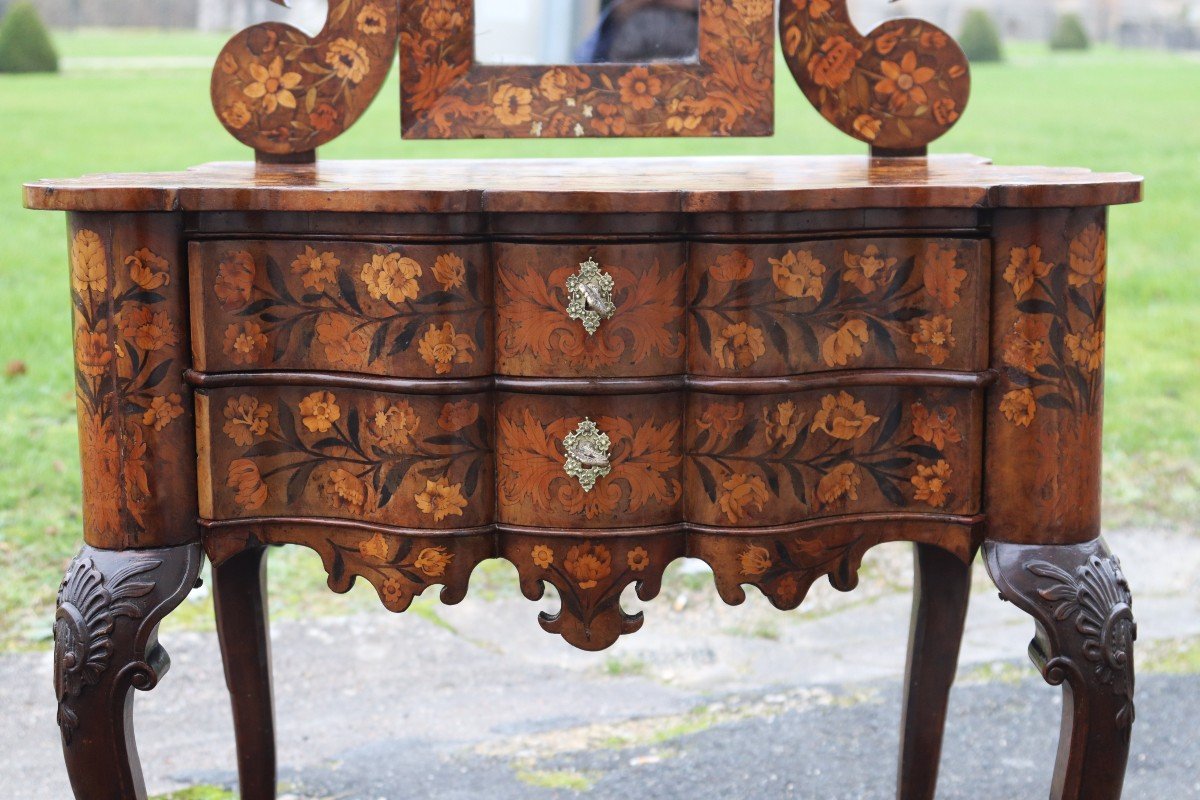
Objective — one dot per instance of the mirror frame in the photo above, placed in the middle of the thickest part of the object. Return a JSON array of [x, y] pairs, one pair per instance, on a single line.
[[446, 94]]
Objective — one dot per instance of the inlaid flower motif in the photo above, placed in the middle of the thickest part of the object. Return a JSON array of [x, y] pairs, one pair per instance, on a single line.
[[935, 426], [738, 346], [588, 564], [942, 275], [845, 343], [324, 117], [346, 344], [945, 111], [442, 348], [148, 329], [92, 353], [371, 20], [637, 559], [815, 8], [781, 425], [349, 60], [347, 490], [933, 483], [272, 86], [1019, 407], [1089, 255], [394, 424], [244, 478], [512, 104], [904, 81], [319, 410], [245, 342], [1025, 268], [148, 270], [441, 18], [754, 560], [441, 499], [392, 276], [557, 83], [753, 11], [886, 42], [1087, 348], [639, 89], [1027, 344], [722, 420], [392, 592], [838, 486], [798, 274], [433, 561], [316, 268], [730, 267], [449, 271], [867, 126], [163, 410], [377, 548], [236, 115], [933, 338], [458, 415], [842, 417], [89, 264], [787, 588], [865, 268], [740, 494], [235, 280], [834, 63], [542, 556]]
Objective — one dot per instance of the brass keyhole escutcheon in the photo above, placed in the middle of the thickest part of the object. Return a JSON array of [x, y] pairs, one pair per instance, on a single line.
[[587, 450], [590, 296]]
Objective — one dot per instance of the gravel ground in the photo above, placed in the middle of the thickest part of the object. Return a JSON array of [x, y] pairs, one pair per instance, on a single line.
[[705, 702]]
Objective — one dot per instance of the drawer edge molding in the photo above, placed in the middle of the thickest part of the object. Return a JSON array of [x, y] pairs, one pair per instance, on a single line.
[[336, 380]]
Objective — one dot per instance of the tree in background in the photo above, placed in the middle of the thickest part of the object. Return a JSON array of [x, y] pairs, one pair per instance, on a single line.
[[25, 44], [980, 38], [1070, 34]]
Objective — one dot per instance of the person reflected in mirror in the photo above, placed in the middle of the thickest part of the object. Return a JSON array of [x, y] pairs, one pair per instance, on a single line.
[[638, 31]]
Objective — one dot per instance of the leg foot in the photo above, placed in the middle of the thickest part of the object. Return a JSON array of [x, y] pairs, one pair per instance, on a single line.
[[941, 589], [239, 592], [1081, 602], [105, 644]]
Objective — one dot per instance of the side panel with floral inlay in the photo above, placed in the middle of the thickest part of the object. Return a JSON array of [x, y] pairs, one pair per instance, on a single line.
[[399, 566], [281, 91], [777, 459], [421, 311], [536, 336], [445, 94], [643, 484], [1048, 345], [590, 574], [131, 348], [786, 309], [783, 563], [403, 460]]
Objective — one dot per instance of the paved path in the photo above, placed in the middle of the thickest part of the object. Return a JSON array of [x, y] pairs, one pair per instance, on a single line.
[[704, 702]]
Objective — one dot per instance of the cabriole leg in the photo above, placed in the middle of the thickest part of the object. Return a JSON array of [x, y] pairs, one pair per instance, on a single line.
[[1081, 602], [941, 589], [105, 644], [239, 593]]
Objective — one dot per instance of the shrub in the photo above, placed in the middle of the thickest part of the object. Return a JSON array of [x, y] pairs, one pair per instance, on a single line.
[[25, 44], [980, 39], [1070, 34]]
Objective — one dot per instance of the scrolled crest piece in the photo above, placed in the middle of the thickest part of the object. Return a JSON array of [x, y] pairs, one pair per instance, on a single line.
[[898, 88], [285, 93]]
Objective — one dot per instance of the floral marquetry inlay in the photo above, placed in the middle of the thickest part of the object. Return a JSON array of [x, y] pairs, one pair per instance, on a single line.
[[418, 311]]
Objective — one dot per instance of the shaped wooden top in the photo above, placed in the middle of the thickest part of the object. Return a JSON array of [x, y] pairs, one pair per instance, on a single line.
[[690, 185]]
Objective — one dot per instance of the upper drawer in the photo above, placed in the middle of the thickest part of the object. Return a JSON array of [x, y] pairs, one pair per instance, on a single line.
[[797, 307], [408, 311], [626, 319]]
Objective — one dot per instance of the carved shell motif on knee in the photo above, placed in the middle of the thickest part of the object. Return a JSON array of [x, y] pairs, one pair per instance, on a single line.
[[899, 87], [283, 92]]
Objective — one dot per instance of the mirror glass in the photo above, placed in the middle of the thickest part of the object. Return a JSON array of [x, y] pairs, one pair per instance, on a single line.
[[586, 31]]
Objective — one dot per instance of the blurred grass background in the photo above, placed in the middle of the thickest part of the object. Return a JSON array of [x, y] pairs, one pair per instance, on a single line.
[[138, 101]]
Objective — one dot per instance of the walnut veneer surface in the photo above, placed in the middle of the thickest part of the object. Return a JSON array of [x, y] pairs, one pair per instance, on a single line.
[[592, 368]]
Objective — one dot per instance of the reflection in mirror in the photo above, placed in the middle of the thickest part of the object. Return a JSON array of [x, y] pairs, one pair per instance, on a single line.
[[586, 31]]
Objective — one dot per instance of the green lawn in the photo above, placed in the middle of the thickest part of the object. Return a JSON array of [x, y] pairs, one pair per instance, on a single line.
[[1107, 110]]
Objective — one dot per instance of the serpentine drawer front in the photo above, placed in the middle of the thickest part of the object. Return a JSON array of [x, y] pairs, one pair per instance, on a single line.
[[769, 364]]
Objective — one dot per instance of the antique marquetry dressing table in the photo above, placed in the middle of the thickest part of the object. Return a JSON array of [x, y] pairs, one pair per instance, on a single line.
[[590, 368]]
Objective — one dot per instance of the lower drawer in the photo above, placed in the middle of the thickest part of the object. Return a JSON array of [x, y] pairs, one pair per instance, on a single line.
[[403, 460]]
